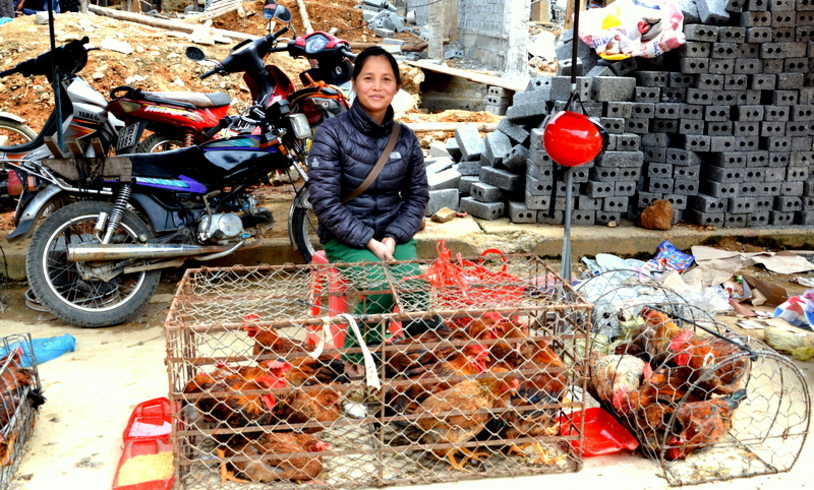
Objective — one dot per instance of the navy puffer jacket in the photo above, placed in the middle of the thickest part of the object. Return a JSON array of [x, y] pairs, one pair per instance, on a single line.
[[344, 151]]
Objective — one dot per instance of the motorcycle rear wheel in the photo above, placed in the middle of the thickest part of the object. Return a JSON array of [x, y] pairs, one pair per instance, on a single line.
[[157, 142], [14, 133], [57, 283]]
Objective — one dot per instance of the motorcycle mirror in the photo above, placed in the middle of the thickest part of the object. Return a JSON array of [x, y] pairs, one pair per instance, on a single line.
[[273, 11], [195, 53]]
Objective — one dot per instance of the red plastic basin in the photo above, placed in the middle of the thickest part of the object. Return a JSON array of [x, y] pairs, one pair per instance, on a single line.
[[603, 434]]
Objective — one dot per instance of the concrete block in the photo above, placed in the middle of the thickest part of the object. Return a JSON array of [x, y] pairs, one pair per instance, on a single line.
[[691, 111], [604, 174], [709, 81], [465, 184], [690, 11], [581, 217], [626, 189], [679, 201], [805, 18], [747, 113], [673, 95], [701, 32], [470, 142], [735, 5], [719, 66], [469, 168], [605, 89], [732, 34], [779, 159], [721, 143], [702, 218], [758, 34], [782, 5], [708, 204], [647, 78], [797, 65], [586, 203], [712, 12], [762, 203], [788, 203], [802, 113], [664, 125], [485, 192], [686, 187], [647, 94], [542, 84], [699, 96], [660, 171], [801, 159], [784, 97], [774, 174], [800, 143], [754, 174], [579, 175], [696, 142], [514, 131], [743, 143], [624, 142], [618, 109], [779, 218], [447, 179], [667, 111], [757, 5], [724, 50], [538, 187], [645, 199], [684, 158], [735, 82], [613, 125], [655, 139], [527, 113], [539, 172], [696, 49], [771, 66], [561, 88], [606, 217], [690, 172], [804, 218], [599, 189], [623, 67], [785, 35], [616, 204], [798, 128], [733, 220], [504, 179], [783, 19], [774, 113], [438, 164], [440, 199], [546, 218], [530, 97], [665, 186], [748, 50], [731, 159], [653, 154], [717, 189], [637, 125], [600, 71], [791, 189], [496, 147], [791, 81], [515, 161], [758, 219], [621, 159], [483, 210], [680, 80], [717, 113], [755, 18], [776, 143], [719, 128], [496, 109], [519, 213], [796, 174]]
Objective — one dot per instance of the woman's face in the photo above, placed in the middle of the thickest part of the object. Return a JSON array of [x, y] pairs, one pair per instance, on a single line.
[[375, 87]]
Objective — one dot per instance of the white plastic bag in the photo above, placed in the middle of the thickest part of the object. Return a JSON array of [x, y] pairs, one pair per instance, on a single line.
[[628, 28]]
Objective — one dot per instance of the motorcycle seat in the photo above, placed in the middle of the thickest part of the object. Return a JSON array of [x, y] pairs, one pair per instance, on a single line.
[[198, 100]]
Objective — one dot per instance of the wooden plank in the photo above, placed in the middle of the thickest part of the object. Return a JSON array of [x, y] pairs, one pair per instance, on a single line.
[[469, 75]]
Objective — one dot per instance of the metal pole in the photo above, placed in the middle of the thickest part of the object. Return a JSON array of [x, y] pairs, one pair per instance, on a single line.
[[566, 239], [57, 82]]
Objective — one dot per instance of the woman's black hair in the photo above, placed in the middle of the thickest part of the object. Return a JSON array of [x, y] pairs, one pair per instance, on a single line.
[[367, 53]]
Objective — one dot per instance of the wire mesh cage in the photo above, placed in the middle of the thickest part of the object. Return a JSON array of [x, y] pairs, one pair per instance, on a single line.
[[371, 375], [704, 402], [20, 396]]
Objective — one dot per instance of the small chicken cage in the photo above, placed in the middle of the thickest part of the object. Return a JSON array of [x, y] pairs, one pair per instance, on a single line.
[[480, 365], [18, 379], [709, 403]]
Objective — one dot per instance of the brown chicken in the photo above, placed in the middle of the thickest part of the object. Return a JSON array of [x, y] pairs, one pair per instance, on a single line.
[[18, 384], [316, 406], [439, 426], [701, 354], [537, 398], [702, 424], [275, 456], [432, 378], [268, 341], [666, 385], [651, 340], [229, 403], [613, 377]]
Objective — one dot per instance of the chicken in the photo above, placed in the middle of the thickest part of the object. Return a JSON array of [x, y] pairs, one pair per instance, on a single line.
[[228, 401], [666, 385], [308, 405], [276, 456], [439, 426], [612, 377], [547, 385], [702, 424], [18, 384], [700, 354], [433, 377], [268, 341], [651, 340]]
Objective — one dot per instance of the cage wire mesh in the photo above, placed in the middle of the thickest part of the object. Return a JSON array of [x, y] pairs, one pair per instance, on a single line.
[[19, 399], [477, 375], [704, 402]]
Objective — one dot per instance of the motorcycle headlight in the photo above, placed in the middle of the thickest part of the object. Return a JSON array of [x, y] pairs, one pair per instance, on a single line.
[[299, 123]]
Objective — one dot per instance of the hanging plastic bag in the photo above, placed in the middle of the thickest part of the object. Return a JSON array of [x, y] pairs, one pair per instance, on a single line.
[[629, 28]]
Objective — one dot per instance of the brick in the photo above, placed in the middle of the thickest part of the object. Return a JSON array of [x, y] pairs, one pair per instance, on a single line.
[[758, 219], [539, 172], [724, 175], [778, 159], [679, 157], [626, 189], [613, 125], [506, 180], [646, 78], [637, 125], [771, 66], [686, 187], [660, 185], [798, 65], [621, 159], [733, 220], [801, 159], [655, 139], [470, 142], [561, 88], [679, 201], [514, 131], [691, 111], [757, 158], [774, 174], [702, 218], [447, 179], [606, 217], [647, 94], [717, 189], [643, 110], [735, 82], [755, 18], [579, 175], [540, 157], [485, 192], [757, 5], [788, 203], [748, 97], [784, 34], [791, 188], [776, 143], [691, 172], [465, 184], [453, 149], [748, 128], [679, 80], [801, 128], [527, 113], [699, 96], [519, 213], [440, 199], [469, 168], [538, 187], [758, 34], [779, 218], [774, 113], [695, 49], [616, 204], [743, 143], [734, 5], [708, 204], [540, 83], [804, 218], [611, 89], [624, 142], [717, 113], [719, 66], [618, 109], [701, 32], [721, 143], [724, 50], [483, 210], [712, 12], [731, 159], [791, 81], [754, 174], [515, 161], [719, 128], [581, 217], [586, 203], [645, 199], [783, 19], [599, 189], [673, 95], [802, 113], [623, 67], [784, 97], [796, 174], [604, 174], [496, 147], [782, 5], [546, 218], [700, 143], [653, 154], [664, 125], [530, 97]]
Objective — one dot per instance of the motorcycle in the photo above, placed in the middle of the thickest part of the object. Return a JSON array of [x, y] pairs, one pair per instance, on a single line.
[[97, 261], [182, 119], [87, 125]]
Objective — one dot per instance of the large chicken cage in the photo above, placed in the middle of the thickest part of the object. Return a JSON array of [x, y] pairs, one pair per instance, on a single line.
[[480, 371], [718, 405], [19, 386]]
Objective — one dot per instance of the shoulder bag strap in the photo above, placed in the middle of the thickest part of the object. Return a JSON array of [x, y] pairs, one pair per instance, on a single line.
[[394, 136]]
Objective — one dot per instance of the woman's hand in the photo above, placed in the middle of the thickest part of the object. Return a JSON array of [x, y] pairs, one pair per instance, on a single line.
[[390, 243], [380, 250]]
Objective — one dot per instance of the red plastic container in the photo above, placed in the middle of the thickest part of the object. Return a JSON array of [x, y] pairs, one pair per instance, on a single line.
[[150, 419], [141, 447], [603, 434]]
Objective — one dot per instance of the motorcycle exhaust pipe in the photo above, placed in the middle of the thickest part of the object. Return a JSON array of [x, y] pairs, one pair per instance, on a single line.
[[84, 252]]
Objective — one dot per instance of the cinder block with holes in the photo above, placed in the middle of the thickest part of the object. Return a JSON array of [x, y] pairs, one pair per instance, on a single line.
[[708, 204], [617, 109], [699, 96], [746, 143], [719, 67], [647, 78], [721, 143], [771, 66], [719, 128], [599, 189], [538, 187], [606, 217], [748, 50], [741, 205], [665, 125], [626, 189], [697, 49], [644, 110], [773, 129], [808, 203], [748, 97], [679, 201], [759, 158], [709, 81], [792, 188], [724, 50], [624, 142], [519, 213], [774, 174], [759, 34], [637, 125], [539, 157], [546, 218], [755, 18], [685, 187], [654, 155], [527, 113], [734, 220], [667, 110], [788, 203], [515, 161], [754, 174], [735, 82], [780, 218], [751, 113], [732, 34], [692, 172], [561, 88], [659, 171], [465, 184], [782, 50], [682, 80], [664, 186], [583, 217], [655, 139], [588, 203], [724, 175], [579, 175], [776, 143], [470, 143], [517, 133], [802, 113], [758, 219], [497, 146], [762, 81], [484, 192], [793, 81], [745, 128], [701, 32], [483, 210], [615, 204], [798, 128], [621, 159], [447, 179], [539, 172], [785, 35], [779, 158], [506, 180], [797, 174], [801, 158], [774, 113], [469, 168], [679, 157], [646, 94], [704, 218], [783, 19], [801, 143], [717, 189], [731, 159], [613, 125], [712, 12], [784, 97], [692, 111], [645, 199], [697, 142], [690, 126]]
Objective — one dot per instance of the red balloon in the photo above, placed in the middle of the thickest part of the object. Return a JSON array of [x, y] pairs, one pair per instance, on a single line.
[[572, 139]]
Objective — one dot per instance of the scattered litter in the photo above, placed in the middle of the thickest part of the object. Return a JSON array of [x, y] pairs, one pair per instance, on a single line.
[[788, 342], [804, 281], [798, 310], [668, 258]]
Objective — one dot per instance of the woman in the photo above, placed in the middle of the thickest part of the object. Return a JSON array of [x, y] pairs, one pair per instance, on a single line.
[[378, 224]]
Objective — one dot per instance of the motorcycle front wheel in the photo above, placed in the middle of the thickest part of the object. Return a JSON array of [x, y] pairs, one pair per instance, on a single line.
[[59, 284], [304, 227], [157, 142], [14, 133]]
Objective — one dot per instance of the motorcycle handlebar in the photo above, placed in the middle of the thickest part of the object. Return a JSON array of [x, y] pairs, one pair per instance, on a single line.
[[211, 72], [9, 72], [347, 53], [280, 32]]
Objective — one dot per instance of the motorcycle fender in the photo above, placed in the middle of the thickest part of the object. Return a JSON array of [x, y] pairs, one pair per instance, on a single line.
[[32, 211], [300, 200], [15, 118], [161, 219]]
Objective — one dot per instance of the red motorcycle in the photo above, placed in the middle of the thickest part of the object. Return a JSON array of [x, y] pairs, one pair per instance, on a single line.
[[183, 118]]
